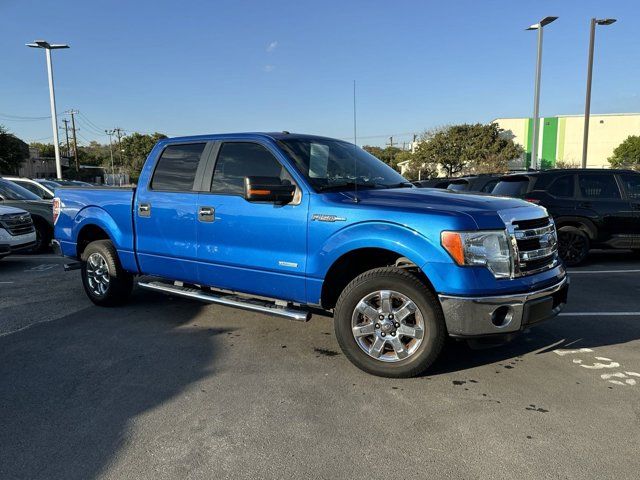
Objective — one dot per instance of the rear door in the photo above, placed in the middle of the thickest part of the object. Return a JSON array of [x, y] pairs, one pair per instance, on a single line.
[[165, 213], [631, 185], [257, 248], [600, 199]]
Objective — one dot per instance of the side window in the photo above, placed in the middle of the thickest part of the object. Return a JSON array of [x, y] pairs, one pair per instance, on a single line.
[[176, 168], [631, 185], [562, 187], [488, 188], [237, 160], [598, 186]]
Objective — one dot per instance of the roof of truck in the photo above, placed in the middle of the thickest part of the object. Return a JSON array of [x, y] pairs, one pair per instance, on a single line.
[[246, 135]]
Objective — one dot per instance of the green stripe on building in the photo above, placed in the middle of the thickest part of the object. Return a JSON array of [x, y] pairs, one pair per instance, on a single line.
[[549, 142]]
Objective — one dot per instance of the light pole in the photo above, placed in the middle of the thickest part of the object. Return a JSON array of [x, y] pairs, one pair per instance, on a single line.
[[536, 95], [587, 102], [52, 96]]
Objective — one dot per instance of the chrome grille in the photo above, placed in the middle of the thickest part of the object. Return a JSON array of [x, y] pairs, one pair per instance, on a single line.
[[17, 223], [534, 244]]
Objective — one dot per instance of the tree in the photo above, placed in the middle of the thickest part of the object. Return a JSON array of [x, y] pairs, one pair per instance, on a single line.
[[13, 152], [45, 150], [135, 149], [627, 154], [466, 148], [388, 155]]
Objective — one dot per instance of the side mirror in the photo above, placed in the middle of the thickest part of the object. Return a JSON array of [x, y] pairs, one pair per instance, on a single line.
[[268, 189]]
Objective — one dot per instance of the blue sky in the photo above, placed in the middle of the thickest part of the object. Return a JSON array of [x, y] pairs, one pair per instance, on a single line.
[[195, 67]]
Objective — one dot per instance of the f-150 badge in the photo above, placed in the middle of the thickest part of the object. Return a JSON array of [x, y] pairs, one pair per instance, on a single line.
[[327, 218]]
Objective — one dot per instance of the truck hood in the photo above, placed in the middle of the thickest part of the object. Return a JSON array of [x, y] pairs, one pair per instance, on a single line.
[[482, 208]]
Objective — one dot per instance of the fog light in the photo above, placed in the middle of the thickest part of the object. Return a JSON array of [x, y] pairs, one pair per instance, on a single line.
[[501, 316]]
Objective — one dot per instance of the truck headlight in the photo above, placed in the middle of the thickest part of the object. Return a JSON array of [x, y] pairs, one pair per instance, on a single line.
[[483, 248]]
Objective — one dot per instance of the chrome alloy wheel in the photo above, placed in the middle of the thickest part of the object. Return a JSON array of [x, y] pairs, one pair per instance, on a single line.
[[97, 274], [387, 326]]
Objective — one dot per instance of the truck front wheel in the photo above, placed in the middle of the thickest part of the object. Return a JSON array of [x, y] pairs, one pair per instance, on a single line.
[[389, 323], [105, 282]]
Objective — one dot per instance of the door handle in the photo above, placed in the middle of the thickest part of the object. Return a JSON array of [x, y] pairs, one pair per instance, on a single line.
[[144, 210], [206, 214]]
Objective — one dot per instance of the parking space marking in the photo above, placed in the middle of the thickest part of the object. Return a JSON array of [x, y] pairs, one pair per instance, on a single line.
[[43, 267], [623, 378], [596, 314], [592, 272], [6, 283]]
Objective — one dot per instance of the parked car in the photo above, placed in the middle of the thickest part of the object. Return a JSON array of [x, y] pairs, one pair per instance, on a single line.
[[591, 208], [14, 195], [295, 223], [433, 183], [37, 188], [16, 231], [53, 184], [484, 183]]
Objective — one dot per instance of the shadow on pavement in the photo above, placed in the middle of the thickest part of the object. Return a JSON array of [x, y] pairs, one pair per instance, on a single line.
[[70, 388]]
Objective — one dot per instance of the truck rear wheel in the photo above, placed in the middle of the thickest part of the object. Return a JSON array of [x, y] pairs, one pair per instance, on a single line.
[[105, 282], [388, 323]]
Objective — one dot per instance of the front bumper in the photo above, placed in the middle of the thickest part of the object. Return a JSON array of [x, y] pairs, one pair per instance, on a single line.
[[480, 316], [6, 248]]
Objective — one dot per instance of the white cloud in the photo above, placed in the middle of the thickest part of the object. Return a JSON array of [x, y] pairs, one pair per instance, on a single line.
[[269, 68], [272, 46]]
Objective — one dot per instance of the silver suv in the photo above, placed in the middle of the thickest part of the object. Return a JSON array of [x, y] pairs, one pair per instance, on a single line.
[[16, 230]]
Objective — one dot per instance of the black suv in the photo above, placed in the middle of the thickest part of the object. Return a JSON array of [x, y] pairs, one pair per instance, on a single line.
[[484, 183], [592, 208]]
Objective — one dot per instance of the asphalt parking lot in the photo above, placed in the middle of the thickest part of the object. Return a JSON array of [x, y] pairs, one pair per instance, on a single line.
[[168, 388]]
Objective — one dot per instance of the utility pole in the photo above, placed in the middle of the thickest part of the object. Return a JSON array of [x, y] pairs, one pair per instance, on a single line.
[[113, 172], [390, 144], [119, 133], [66, 134], [75, 140]]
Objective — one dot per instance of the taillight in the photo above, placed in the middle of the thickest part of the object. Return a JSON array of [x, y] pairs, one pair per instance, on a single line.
[[532, 200], [56, 209]]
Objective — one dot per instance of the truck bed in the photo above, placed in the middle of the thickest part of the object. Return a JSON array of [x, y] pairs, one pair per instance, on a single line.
[[109, 208]]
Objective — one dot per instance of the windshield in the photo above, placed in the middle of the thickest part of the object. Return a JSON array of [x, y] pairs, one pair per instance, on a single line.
[[336, 165], [11, 191], [458, 186], [513, 187]]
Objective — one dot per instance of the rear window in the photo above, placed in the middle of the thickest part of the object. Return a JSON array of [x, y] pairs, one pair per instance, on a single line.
[[176, 169], [598, 186], [489, 186], [562, 187], [512, 187], [632, 185], [458, 186]]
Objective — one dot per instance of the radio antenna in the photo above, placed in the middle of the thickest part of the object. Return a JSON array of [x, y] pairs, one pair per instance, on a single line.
[[355, 147]]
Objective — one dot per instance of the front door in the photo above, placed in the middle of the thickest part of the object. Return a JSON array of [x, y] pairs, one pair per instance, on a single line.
[[165, 215], [631, 184], [257, 248]]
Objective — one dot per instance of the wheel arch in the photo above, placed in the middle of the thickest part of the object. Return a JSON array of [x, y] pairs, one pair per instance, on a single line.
[[581, 223], [355, 262]]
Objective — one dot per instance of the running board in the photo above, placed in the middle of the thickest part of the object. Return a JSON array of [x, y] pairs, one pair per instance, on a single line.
[[228, 300]]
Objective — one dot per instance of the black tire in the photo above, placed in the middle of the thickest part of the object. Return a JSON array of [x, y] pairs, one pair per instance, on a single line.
[[406, 284], [44, 234], [120, 282], [573, 245]]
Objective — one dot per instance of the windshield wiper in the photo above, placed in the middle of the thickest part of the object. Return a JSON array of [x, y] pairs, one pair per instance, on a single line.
[[399, 185], [346, 185]]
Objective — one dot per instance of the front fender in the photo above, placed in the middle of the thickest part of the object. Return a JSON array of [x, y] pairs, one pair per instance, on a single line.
[[374, 234]]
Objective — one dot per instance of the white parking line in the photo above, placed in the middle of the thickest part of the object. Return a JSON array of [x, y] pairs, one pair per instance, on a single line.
[[573, 272], [6, 283], [596, 314]]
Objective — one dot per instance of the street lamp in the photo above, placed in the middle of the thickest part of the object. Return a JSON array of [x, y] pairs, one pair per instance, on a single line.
[[52, 97], [536, 95], [587, 103]]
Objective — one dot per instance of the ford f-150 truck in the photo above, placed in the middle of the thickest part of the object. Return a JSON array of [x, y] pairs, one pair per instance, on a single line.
[[289, 224]]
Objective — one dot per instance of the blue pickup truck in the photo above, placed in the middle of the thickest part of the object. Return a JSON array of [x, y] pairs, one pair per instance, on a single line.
[[289, 224]]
